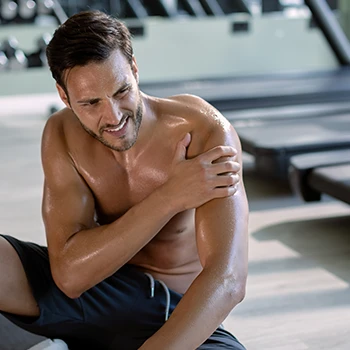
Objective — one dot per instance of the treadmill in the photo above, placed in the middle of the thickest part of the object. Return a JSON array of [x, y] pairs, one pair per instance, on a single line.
[[240, 93], [273, 144], [247, 100], [312, 175], [313, 153]]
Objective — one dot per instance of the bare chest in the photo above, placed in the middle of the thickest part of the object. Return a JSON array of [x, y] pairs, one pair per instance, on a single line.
[[117, 189]]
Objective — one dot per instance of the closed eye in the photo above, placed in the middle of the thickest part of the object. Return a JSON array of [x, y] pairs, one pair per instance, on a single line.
[[95, 101], [92, 103], [123, 90]]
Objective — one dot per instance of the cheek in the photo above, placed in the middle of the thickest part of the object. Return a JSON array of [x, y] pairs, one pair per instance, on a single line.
[[130, 103], [95, 120], [88, 117], [136, 101]]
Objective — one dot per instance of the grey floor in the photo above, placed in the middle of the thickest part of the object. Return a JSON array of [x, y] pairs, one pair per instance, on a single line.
[[298, 293]]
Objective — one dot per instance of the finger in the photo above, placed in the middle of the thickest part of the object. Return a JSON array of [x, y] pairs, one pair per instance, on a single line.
[[225, 167], [218, 152], [181, 148], [225, 191], [186, 140], [226, 180]]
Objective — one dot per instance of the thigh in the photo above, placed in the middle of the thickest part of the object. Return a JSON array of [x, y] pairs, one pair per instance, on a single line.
[[222, 339], [15, 292]]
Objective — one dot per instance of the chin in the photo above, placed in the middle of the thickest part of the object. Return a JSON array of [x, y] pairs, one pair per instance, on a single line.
[[121, 146]]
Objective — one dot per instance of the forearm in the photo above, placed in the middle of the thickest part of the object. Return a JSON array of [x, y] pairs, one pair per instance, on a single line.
[[201, 310], [94, 254]]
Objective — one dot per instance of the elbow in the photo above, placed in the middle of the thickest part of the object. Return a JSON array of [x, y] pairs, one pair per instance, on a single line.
[[69, 290], [67, 283], [236, 291], [239, 295]]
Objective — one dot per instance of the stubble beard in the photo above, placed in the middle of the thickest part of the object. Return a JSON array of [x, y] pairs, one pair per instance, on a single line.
[[126, 143]]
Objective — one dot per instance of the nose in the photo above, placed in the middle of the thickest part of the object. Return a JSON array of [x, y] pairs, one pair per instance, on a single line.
[[113, 114]]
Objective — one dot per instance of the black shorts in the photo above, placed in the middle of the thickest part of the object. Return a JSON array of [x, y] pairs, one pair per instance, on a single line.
[[118, 313]]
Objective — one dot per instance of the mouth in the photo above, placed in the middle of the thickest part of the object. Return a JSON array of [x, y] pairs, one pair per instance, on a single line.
[[119, 130]]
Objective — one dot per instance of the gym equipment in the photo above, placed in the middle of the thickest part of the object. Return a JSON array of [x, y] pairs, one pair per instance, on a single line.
[[280, 5], [26, 10], [38, 57], [280, 89], [3, 61], [274, 143], [214, 76], [16, 57], [140, 9], [45, 7], [334, 181], [262, 91], [8, 10], [312, 174], [332, 31], [51, 8], [274, 140], [212, 7], [254, 116], [270, 6], [18, 11]]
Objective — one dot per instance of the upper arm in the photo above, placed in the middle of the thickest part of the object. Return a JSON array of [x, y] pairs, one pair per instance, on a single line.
[[68, 204], [222, 224]]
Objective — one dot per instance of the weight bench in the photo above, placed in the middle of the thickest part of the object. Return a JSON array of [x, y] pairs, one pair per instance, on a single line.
[[314, 174], [274, 144]]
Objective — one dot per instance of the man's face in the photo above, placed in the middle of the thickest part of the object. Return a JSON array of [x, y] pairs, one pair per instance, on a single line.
[[106, 99]]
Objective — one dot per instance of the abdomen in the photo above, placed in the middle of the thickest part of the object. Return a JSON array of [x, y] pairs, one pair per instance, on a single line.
[[172, 255]]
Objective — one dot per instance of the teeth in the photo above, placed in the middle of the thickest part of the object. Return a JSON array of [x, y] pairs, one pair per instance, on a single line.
[[117, 128]]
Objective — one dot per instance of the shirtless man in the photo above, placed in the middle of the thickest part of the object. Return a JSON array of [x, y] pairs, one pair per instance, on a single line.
[[144, 208]]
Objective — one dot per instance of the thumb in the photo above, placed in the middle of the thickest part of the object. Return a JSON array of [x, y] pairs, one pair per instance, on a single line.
[[181, 148]]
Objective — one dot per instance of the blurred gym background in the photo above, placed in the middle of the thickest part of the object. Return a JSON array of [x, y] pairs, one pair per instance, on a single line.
[[279, 70]]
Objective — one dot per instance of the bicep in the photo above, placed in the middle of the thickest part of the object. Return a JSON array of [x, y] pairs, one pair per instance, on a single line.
[[222, 224], [67, 208], [68, 204]]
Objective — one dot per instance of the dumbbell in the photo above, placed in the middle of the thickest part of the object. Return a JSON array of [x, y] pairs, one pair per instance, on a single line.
[[45, 7], [26, 10], [3, 61], [8, 11], [38, 57], [17, 60]]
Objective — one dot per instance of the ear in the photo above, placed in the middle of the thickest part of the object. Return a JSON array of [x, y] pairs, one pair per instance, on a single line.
[[135, 69], [63, 95]]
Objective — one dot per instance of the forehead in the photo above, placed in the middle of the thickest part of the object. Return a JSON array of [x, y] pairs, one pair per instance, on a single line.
[[115, 69]]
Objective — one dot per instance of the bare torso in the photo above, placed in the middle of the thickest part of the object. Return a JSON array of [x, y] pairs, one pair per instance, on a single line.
[[117, 186]]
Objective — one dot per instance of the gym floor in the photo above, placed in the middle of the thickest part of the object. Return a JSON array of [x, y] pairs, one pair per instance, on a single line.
[[298, 293]]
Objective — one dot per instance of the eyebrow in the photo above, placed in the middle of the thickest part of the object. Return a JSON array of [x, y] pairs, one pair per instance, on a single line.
[[94, 100]]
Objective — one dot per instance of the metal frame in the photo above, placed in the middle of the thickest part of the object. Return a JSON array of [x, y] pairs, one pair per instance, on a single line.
[[193, 7], [137, 8], [240, 5], [165, 8], [212, 7], [331, 29], [59, 12]]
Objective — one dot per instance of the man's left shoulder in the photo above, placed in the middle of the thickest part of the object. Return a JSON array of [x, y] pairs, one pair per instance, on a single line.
[[201, 113], [207, 126]]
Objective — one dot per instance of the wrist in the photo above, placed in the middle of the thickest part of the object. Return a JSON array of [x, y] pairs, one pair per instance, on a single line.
[[167, 202]]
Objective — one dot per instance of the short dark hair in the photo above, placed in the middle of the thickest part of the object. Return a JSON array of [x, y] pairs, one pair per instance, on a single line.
[[89, 36]]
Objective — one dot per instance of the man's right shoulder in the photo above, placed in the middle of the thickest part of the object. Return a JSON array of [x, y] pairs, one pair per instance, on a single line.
[[55, 136], [58, 141], [58, 126]]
